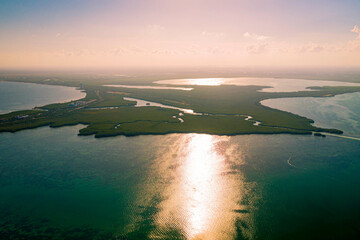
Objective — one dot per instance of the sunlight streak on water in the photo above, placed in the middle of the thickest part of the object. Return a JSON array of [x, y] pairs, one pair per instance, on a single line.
[[201, 183], [205, 81], [202, 200]]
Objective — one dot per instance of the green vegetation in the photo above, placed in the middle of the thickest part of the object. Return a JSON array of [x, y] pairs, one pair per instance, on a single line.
[[319, 135], [106, 113]]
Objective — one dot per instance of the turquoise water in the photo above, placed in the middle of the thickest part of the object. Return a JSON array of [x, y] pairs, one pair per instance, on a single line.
[[341, 111], [16, 96], [57, 185]]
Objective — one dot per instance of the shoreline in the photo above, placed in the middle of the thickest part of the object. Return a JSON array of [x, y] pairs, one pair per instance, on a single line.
[[77, 89], [62, 114], [158, 134]]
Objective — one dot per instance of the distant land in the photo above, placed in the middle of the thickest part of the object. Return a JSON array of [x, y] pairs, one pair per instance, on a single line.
[[110, 111]]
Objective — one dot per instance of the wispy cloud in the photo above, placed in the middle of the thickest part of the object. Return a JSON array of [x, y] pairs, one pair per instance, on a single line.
[[312, 48], [356, 30], [354, 45], [212, 34], [154, 28], [257, 48], [255, 36]]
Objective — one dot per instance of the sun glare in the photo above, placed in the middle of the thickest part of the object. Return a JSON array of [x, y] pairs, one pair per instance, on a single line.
[[200, 200], [205, 81]]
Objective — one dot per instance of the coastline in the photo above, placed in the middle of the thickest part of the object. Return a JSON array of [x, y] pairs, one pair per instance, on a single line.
[[60, 114], [68, 94]]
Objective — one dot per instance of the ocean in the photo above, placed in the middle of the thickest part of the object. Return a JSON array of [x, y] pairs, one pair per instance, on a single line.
[[57, 185]]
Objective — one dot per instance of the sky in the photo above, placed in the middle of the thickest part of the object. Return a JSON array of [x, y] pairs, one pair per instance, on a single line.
[[183, 33]]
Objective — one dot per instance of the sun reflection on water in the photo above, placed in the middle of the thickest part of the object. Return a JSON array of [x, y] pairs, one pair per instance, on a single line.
[[205, 81], [202, 200], [200, 183]]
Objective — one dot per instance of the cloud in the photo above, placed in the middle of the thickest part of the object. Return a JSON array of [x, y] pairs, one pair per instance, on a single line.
[[256, 36], [212, 34], [58, 35], [257, 48], [216, 51], [154, 28], [312, 48], [118, 51], [353, 45], [356, 30], [64, 53]]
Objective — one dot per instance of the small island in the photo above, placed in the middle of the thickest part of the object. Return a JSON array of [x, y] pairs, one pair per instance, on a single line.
[[319, 135]]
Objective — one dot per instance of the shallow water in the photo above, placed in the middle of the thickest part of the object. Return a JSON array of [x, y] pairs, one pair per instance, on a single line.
[[341, 112], [16, 96], [144, 103], [149, 87]]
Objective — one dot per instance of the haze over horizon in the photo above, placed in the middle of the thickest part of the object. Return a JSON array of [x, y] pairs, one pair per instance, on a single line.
[[156, 33]]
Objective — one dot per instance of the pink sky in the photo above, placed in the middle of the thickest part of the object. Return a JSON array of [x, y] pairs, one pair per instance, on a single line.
[[179, 33]]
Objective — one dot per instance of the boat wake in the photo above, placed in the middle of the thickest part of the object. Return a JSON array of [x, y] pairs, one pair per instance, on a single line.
[[288, 161]]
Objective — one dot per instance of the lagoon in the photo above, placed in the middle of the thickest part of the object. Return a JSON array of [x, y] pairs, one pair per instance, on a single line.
[[15, 96], [144, 103], [149, 87], [341, 111], [269, 84]]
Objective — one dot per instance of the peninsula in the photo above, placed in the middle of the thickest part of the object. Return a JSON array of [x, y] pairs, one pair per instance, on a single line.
[[220, 110]]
